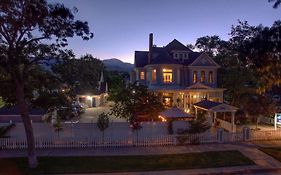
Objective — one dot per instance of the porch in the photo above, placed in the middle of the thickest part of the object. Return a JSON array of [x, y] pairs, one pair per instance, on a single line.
[[213, 109]]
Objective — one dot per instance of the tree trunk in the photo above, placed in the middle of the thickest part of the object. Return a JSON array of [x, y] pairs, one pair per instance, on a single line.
[[23, 108]]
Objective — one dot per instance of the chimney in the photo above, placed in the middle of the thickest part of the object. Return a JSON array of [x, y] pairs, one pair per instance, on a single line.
[[150, 47]]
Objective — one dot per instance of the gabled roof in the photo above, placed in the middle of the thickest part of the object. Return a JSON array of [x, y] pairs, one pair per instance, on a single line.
[[176, 45], [204, 60], [215, 106], [191, 57], [174, 113], [199, 85], [163, 57], [206, 104]]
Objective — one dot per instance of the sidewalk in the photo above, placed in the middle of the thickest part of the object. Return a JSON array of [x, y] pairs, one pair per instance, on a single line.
[[264, 163]]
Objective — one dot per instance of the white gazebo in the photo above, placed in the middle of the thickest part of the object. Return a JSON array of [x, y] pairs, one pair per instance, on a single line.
[[175, 113], [213, 108]]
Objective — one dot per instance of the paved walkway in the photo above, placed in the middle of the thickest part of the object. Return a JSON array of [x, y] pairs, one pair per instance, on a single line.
[[264, 163]]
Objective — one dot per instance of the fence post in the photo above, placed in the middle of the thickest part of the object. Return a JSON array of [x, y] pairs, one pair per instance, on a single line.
[[220, 135], [246, 134]]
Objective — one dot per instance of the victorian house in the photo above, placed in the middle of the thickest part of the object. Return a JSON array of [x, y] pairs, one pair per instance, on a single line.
[[185, 79], [180, 76]]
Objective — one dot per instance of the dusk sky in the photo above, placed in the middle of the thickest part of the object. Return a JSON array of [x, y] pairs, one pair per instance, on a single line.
[[122, 26]]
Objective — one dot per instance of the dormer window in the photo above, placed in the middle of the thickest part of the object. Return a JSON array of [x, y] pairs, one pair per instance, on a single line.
[[167, 75]]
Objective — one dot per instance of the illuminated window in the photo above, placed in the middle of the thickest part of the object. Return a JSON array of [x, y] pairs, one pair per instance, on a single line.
[[211, 77], [153, 75], [142, 75], [203, 77], [167, 75], [194, 76]]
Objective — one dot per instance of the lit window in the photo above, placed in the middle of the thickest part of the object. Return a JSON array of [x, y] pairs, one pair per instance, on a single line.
[[153, 75], [203, 76], [194, 76], [167, 75], [211, 77], [142, 75]]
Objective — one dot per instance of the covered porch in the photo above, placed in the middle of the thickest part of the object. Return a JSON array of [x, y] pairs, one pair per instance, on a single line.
[[213, 109]]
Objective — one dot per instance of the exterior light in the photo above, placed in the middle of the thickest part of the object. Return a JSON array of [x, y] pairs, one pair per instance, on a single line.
[[162, 118], [194, 96], [187, 110], [89, 98]]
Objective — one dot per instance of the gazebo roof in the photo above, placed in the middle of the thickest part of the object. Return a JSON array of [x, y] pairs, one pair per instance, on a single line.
[[174, 113], [215, 106]]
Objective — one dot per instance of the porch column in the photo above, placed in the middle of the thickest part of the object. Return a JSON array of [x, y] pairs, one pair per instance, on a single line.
[[184, 102], [233, 121], [210, 118], [215, 116], [196, 112]]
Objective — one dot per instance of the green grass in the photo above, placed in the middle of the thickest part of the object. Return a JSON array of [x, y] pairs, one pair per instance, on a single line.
[[274, 152], [126, 163]]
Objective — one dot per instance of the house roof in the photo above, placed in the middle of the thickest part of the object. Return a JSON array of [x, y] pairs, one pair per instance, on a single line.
[[163, 55], [206, 104], [174, 113], [141, 58], [14, 110], [215, 106], [192, 56], [176, 45], [199, 85]]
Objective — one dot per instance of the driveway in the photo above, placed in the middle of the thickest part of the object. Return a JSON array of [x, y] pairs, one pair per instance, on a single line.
[[92, 114]]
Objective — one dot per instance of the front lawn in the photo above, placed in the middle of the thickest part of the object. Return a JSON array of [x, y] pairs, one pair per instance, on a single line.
[[274, 152], [126, 163]]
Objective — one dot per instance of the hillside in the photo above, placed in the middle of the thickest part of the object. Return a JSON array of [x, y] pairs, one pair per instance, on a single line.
[[117, 65]]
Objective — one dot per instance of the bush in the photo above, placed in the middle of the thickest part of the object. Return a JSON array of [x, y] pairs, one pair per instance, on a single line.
[[182, 140], [170, 127]]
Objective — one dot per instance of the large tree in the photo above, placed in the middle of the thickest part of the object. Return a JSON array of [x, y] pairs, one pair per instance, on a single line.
[[80, 75], [25, 25], [133, 100], [276, 3]]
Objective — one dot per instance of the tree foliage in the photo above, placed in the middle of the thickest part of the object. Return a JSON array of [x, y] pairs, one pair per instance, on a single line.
[[250, 62], [103, 123], [80, 75], [199, 125], [133, 100], [276, 3], [25, 25]]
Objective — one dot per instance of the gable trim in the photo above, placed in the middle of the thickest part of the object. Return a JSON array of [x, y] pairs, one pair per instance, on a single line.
[[208, 57]]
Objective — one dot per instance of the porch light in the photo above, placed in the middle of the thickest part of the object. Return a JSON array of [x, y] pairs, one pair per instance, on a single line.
[[89, 98], [194, 96], [162, 118], [187, 110]]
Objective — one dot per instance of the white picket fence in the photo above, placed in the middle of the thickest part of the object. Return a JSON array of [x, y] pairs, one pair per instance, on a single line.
[[265, 135], [165, 140]]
